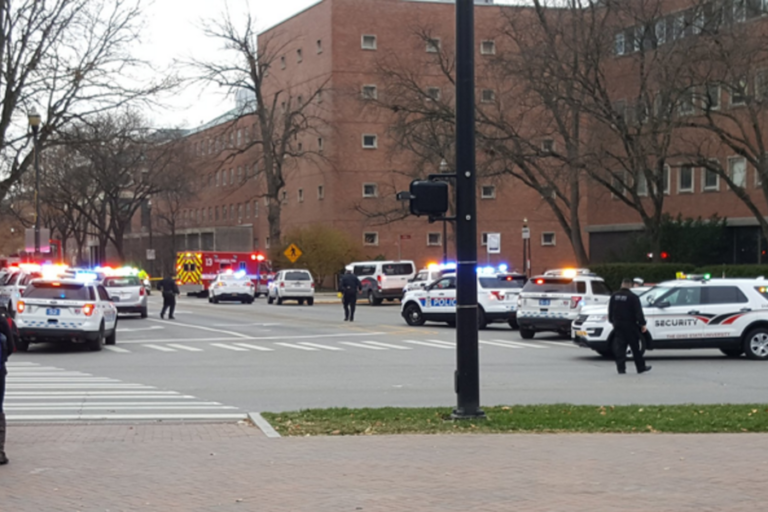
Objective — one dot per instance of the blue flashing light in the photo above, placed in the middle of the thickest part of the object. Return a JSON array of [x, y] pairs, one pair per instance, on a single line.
[[240, 273], [503, 267], [448, 266], [86, 277]]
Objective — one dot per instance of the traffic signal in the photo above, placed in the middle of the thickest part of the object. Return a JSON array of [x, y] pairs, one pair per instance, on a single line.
[[664, 255], [428, 197]]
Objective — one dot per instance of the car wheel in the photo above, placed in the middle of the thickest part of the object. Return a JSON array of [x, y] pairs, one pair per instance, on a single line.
[[513, 324], [270, 300], [413, 315], [112, 338], [279, 301], [732, 352], [301, 302], [482, 322], [95, 344], [215, 299], [756, 344], [527, 334], [22, 345], [372, 300], [311, 302], [144, 313]]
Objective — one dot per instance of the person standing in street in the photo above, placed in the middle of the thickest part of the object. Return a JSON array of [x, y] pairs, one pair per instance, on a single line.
[[349, 286], [626, 315], [7, 344], [170, 290]]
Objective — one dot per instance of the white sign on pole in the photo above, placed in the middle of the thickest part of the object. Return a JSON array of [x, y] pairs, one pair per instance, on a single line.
[[150, 254], [494, 243], [526, 233]]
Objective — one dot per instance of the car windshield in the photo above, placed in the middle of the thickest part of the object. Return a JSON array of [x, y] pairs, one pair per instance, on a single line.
[[6, 278], [58, 291], [550, 285], [397, 269], [121, 282], [651, 296], [297, 276], [502, 281]]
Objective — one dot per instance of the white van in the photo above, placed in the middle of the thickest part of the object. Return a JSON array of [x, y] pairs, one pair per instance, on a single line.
[[383, 279]]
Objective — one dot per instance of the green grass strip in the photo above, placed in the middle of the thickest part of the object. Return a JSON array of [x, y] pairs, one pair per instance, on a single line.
[[525, 418]]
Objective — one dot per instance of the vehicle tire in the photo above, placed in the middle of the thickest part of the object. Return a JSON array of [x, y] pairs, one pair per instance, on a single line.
[[270, 300], [215, 299], [565, 334], [732, 352], [311, 302], [527, 334], [112, 338], [413, 315], [608, 354], [279, 301], [22, 345], [372, 300], [513, 324], [96, 344], [144, 313], [210, 300], [301, 302], [482, 322], [756, 344]]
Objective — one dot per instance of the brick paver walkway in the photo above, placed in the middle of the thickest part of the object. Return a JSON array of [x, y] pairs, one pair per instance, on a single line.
[[205, 467]]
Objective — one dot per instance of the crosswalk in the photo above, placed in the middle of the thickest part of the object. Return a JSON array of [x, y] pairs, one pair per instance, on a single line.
[[36, 392], [329, 346]]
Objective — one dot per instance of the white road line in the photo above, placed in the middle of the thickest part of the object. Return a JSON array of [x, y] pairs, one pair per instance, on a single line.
[[431, 345], [245, 325], [254, 347], [386, 345], [521, 344], [229, 347], [148, 394], [258, 338], [82, 386], [504, 345], [140, 329], [13, 364], [117, 349], [566, 344], [119, 408], [94, 417], [317, 345], [360, 345], [451, 344], [113, 404], [73, 380], [184, 347], [201, 328], [159, 347], [48, 374], [291, 345]]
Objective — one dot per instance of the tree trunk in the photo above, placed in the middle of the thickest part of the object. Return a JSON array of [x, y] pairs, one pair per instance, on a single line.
[[273, 217]]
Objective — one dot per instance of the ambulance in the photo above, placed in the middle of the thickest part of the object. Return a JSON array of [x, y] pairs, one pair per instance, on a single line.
[[196, 270]]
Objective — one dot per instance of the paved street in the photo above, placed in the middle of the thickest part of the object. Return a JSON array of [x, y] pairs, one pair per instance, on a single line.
[[223, 361]]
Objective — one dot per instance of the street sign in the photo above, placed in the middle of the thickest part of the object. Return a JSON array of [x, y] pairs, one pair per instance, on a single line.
[[293, 253], [494, 243], [150, 254], [526, 233]]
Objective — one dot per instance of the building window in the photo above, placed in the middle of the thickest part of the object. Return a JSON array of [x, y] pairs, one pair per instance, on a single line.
[[217, 213], [686, 102], [300, 147], [548, 145], [712, 98], [685, 179], [240, 213], [370, 141], [483, 238], [255, 208], [433, 93], [371, 238], [301, 195], [642, 184], [299, 55], [285, 196], [320, 192], [248, 210], [661, 32], [210, 214], [738, 93], [619, 44], [370, 190], [434, 239], [232, 176], [761, 84], [665, 177], [488, 48], [255, 169], [239, 174], [370, 92], [320, 144], [368, 42], [282, 62], [737, 171], [548, 239], [487, 96], [239, 137], [267, 243], [231, 212], [433, 45], [217, 178], [488, 192], [319, 46], [711, 180], [739, 10], [224, 211]]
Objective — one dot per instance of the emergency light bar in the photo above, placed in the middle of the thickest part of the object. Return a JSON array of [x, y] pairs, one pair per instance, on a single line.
[[693, 277], [569, 272]]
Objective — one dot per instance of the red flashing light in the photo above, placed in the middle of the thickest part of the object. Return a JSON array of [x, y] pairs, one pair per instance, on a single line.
[[664, 255], [539, 281], [253, 257], [55, 284], [260, 257]]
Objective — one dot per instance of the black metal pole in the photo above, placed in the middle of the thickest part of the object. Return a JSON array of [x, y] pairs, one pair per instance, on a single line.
[[37, 191], [467, 378], [445, 241]]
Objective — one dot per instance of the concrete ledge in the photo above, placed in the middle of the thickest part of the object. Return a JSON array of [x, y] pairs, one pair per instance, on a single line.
[[263, 424]]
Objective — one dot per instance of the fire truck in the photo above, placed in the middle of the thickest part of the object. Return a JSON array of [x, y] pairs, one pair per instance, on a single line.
[[196, 270]]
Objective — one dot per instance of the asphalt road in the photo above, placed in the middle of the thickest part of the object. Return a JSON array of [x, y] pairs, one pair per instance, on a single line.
[[222, 361]]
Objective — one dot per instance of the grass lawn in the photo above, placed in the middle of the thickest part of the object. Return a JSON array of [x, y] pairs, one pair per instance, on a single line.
[[525, 418]]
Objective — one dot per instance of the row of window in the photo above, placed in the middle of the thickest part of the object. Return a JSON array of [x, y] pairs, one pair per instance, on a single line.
[[232, 212], [371, 92], [371, 238], [235, 139], [432, 45]]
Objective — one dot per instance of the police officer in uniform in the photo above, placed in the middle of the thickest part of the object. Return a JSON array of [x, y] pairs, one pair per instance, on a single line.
[[7, 344], [170, 290], [349, 286], [626, 314]]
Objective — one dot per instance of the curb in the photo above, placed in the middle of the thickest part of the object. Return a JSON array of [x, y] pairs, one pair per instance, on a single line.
[[263, 425]]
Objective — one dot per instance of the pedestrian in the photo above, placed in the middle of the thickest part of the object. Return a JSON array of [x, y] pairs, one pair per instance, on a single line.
[[170, 290], [349, 286], [7, 347], [626, 314]]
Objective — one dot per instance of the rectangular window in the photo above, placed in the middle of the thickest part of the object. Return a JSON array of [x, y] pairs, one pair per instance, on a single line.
[[248, 210], [282, 62], [239, 137], [685, 107], [370, 190], [267, 243], [548, 239], [710, 180], [433, 45], [231, 212], [712, 97], [642, 184], [320, 192], [320, 144], [739, 11], [738, 93], [685, 179], [637, 40], [301, 195], [371, 238], [679, 26], [488, 48], [737, 171], [619, 46], [319, 46], [483, 238], [239, 174], [761, 86], [488, 192], [665, 178], [232, 176], [224, 211], [369, 92], [548, 145], [217, 213], [434, 239], [285, 196], [368, 42], [370, 141], [487, 96], [299, 55], [240, 213], [255, 208], [433, 93], [217, 179], [661, 32]]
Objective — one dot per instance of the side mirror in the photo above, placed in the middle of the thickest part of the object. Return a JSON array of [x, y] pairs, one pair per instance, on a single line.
[[662, 305]]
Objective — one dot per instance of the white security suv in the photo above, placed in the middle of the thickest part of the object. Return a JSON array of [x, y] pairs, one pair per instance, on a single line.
[[552, 301], [696, 312], [496, 299]]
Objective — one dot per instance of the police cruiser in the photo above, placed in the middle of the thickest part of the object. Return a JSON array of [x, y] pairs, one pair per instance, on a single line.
[[496, 297], [552, 301], [426, 276], [66, 309], [692, 312]]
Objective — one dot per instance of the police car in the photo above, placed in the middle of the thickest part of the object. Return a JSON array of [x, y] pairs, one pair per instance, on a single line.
[[126, 290], [551, 302], [19, 276], [425, 276], [692, 312], [496, 297], [233, 286], [66, 309]]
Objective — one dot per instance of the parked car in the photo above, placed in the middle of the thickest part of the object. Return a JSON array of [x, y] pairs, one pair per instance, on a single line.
[[383, 279], [292, 284]]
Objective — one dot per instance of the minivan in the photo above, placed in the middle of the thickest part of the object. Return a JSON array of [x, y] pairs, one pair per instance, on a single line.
[[383, 279]]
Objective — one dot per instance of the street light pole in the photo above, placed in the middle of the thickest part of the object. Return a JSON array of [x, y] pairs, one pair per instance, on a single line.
[[34, 123], [467, 378], [151, 245], [444, 169]]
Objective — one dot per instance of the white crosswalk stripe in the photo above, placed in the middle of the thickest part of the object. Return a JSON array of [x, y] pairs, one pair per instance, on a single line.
[[360, 345], [161, 348], [255, 347], [425, 344], [119, 350], [43, 393], [386, 345], [492, 343], [317, 345], [229, 347], [299, 347], [185, 347], [521, 344]]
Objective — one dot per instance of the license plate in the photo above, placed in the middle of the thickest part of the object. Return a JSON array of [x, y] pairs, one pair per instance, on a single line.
[[53, 311], [581, 333], [544, 302]]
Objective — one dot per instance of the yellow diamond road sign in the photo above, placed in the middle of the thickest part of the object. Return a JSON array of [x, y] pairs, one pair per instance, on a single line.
[[293, 253]]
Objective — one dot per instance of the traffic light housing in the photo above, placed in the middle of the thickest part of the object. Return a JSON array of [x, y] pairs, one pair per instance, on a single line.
[[429, 198]]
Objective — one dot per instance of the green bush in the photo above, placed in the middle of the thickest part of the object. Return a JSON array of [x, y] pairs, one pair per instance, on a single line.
[[734, 270], [613, 273]]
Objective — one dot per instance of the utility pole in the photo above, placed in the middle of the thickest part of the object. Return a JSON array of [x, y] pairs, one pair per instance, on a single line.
[[467, 378], [34, 122]]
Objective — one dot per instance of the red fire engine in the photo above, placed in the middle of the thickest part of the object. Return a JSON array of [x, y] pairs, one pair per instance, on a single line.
[[196, 269]]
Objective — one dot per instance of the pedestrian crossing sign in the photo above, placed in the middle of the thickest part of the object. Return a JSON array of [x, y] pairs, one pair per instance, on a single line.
[[293, 253]]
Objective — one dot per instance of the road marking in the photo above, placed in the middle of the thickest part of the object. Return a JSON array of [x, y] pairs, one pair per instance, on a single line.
[[139, 329], [520, 344], [260, 338], [78, 380], [116, 349], [431, 345], [245, 325], [360, 345], [291, 345], [254, 347], [451, 344], [504, 345], [229, 347], [160, 348], [566, 344], [263, 424], [82, 386], [184, 347], [386, 345], [317, 345], [137, 417], [200, 327], [101, 407]]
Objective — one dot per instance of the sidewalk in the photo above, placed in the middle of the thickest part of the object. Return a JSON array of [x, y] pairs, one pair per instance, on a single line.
[[210, 467]]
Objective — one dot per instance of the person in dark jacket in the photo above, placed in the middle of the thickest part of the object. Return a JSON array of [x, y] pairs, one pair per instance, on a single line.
[[349, 286], [170, 290], [626, 314], [7, 344]]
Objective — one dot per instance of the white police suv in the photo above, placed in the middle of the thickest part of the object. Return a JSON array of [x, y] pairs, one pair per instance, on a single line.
[[496, 298], [694, 312], [426, 276], [232, 286], [552, 301], [67, 309]]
